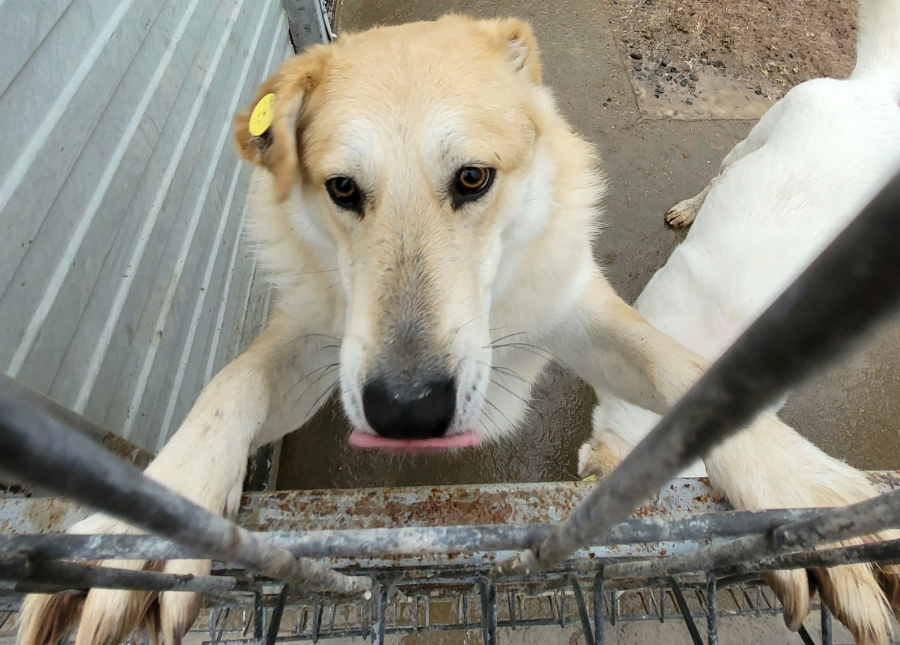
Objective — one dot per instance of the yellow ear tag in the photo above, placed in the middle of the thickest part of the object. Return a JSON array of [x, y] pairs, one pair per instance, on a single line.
[[262, 115], [590, 478]]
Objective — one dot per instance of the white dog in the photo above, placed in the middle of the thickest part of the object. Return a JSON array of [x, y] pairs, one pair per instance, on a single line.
[[781, 195], [426, 216]]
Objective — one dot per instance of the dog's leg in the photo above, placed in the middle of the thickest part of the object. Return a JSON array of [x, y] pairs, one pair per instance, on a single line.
[[259, 396], [683, 214], [599, 456], [767, 465]]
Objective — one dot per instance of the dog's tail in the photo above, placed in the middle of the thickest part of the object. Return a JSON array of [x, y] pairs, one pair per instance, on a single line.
[[878, 44]]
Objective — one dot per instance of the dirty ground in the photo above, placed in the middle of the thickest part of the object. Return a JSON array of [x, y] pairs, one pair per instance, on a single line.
[[656, 151]]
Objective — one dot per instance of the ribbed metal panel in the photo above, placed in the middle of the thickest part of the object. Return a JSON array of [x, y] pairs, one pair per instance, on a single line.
[[125, 282]]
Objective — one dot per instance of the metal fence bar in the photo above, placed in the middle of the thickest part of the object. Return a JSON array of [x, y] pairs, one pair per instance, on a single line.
[[853, 284], [582, 612], [598, 609], [712, 628], [863, 518], [378, 632], [488, 593], [760, 550], [878, 552], [827, 631], [685, 612], [275, 621], [29, 575], [38, 448], [410, 540], [805, 637]]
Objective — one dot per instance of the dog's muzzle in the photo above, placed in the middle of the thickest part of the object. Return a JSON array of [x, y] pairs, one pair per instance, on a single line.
[[422, 409], [411, 416]]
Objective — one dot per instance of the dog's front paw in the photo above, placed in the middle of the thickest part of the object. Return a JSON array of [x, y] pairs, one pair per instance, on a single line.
[[855, 594], [108, 616], [683, 214], [596, 459], [769, 466]]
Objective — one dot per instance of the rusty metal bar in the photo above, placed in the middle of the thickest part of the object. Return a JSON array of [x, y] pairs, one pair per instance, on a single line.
[[852, 285], [827, 526], [379, 631], [582, 612], [31, 575], [37, 447], [275, 621], [488, 594], [259, 622], [887, 552], [598, 609], [863, 518], [410, 540], [804, 636], [317, 621], [681, 601], [712, 628], [827, 627]]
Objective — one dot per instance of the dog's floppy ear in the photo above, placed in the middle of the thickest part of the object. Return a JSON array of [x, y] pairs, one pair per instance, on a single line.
[[266, 132], [518, 39]]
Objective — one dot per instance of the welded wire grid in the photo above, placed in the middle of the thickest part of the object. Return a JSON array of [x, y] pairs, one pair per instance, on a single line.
[[269, 615], [482, 610]]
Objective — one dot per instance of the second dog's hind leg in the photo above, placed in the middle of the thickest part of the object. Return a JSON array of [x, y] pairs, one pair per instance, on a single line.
[[684, 212]]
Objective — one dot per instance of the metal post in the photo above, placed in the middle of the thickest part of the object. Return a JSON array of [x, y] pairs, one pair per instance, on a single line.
[[852, 285], [488, 611], [317, 621], [805, 637], [275, 621], [378, 632], [598, 608], [827, 631], [712, 628], [685, 612], [258, 618], [582, 612]]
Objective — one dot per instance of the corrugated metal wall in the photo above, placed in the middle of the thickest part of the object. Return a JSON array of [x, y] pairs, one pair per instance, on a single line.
[[125, 285]]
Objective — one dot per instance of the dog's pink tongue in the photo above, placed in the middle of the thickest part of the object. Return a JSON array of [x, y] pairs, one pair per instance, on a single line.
[[368, 441]]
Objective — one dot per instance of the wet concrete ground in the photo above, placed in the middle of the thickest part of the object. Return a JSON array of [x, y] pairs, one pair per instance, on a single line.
[[652, 162]]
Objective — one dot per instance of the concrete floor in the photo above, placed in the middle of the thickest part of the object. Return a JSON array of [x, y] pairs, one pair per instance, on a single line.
[[851, 411]]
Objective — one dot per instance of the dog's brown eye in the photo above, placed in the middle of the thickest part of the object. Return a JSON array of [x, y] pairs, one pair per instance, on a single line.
[[345, 193], [471, 182]]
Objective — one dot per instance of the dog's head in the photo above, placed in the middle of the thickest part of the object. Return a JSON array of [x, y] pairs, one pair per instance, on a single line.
[[412, 151]]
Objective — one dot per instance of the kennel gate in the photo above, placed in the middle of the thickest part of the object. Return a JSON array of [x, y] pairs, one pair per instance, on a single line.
[[487, 550]]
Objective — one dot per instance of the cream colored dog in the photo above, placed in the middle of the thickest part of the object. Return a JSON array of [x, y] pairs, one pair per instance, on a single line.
[[426, 216]]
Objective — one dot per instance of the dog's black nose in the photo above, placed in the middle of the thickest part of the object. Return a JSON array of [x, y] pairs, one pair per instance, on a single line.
[[406, 411]]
